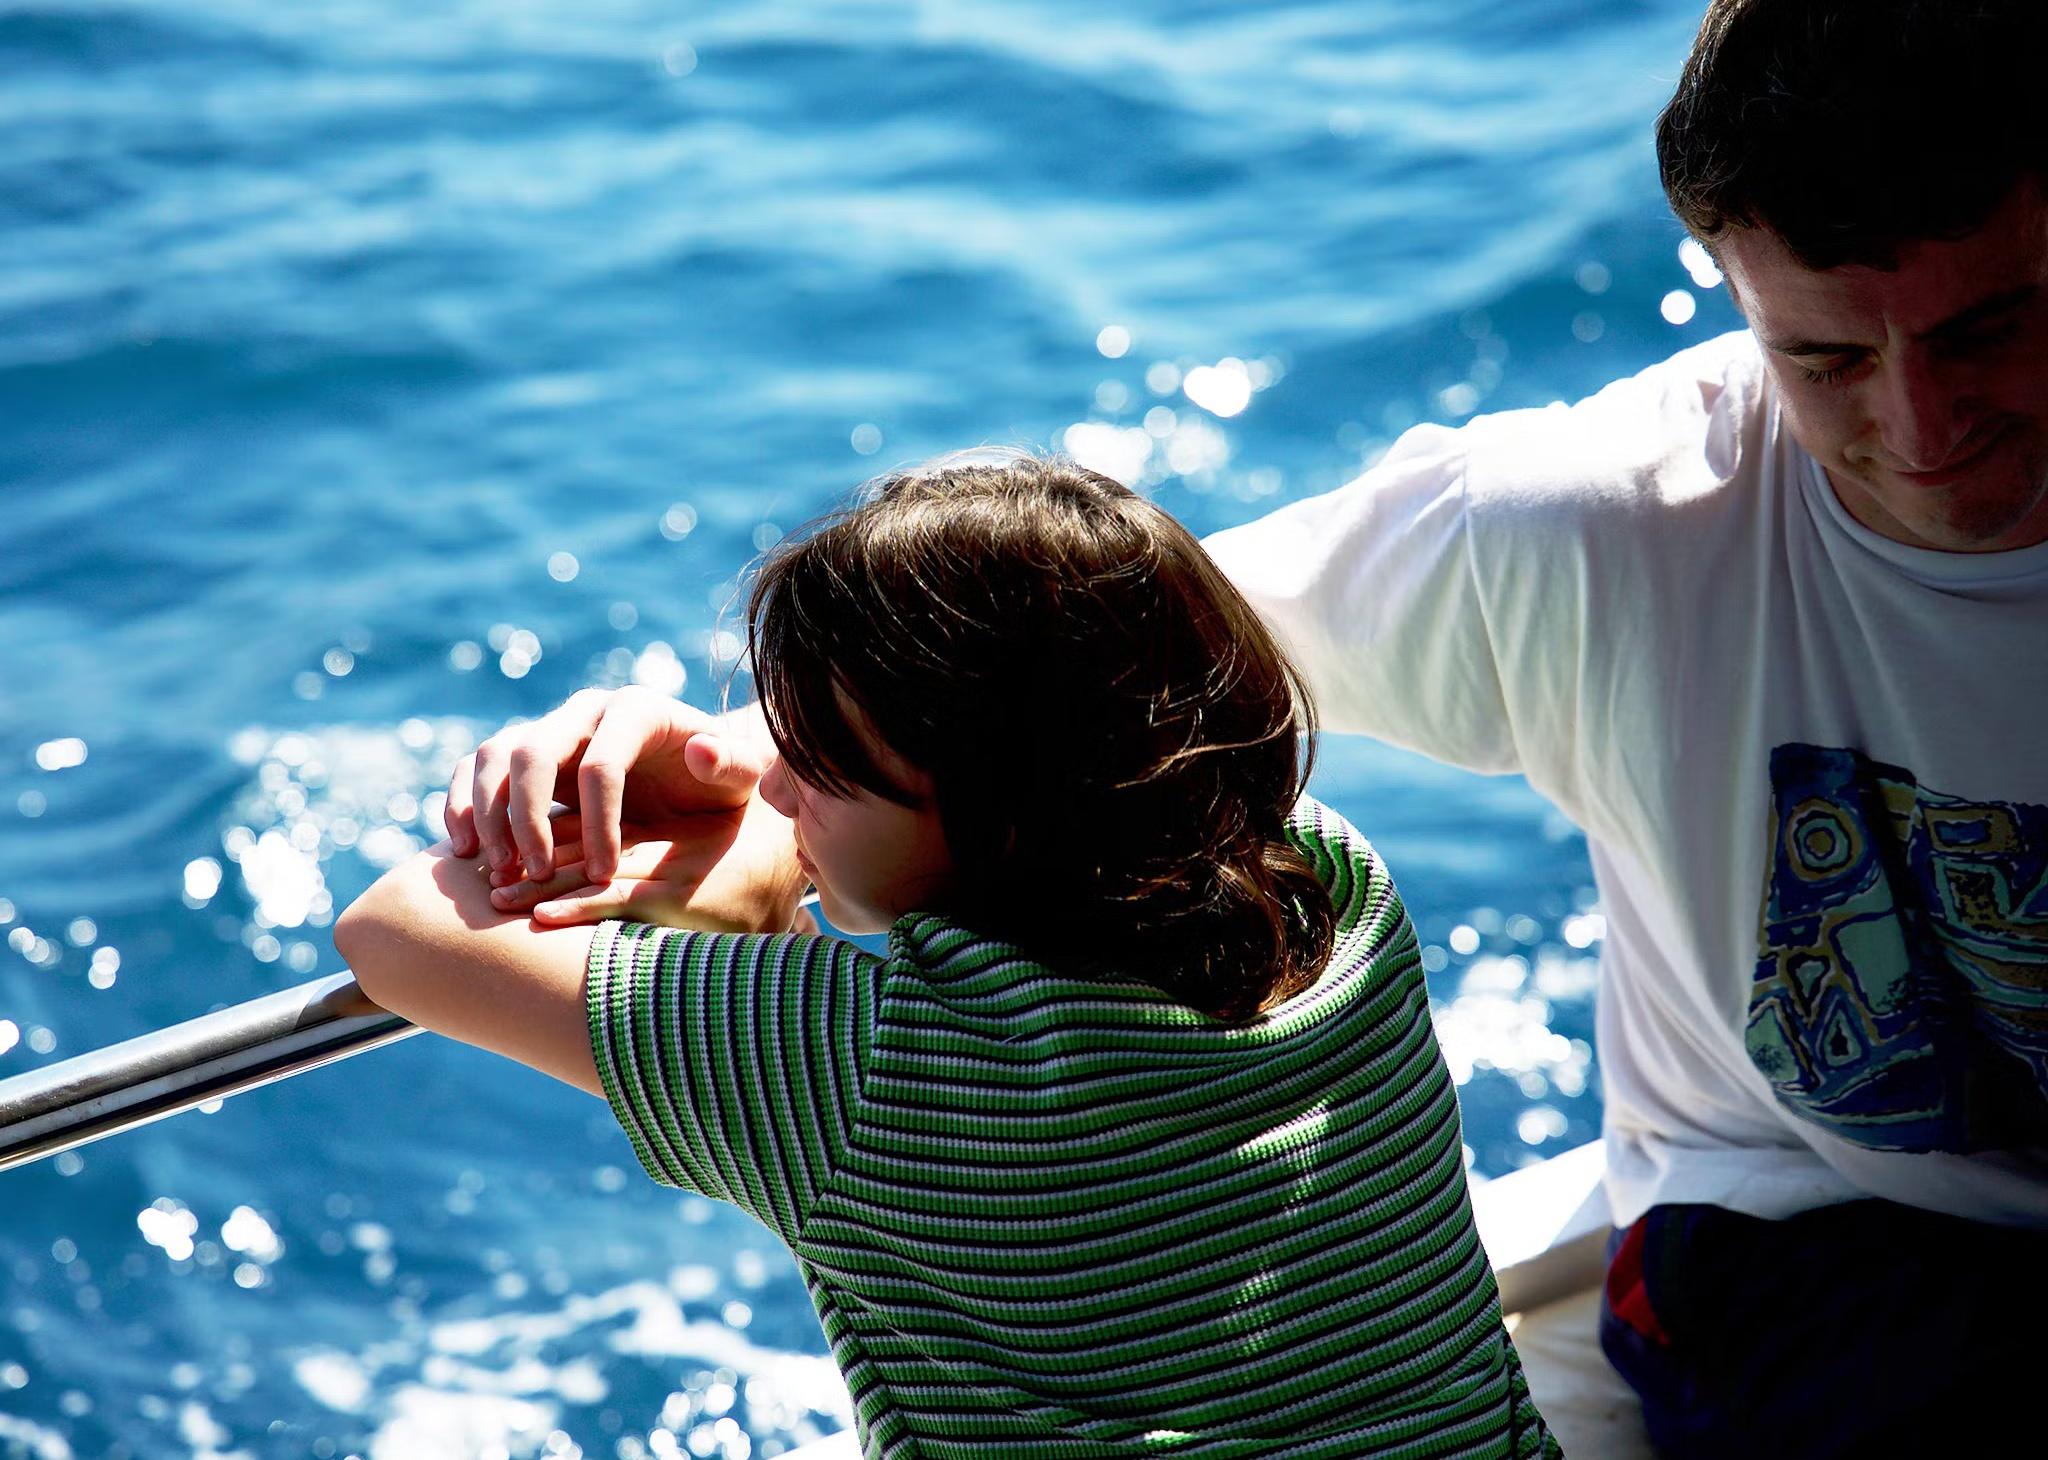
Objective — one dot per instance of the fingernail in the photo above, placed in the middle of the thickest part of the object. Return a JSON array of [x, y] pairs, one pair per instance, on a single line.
[[500, 856], [536, 866], [549, 910]]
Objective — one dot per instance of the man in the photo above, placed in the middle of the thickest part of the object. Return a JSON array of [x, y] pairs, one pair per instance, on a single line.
[[1770, 621]]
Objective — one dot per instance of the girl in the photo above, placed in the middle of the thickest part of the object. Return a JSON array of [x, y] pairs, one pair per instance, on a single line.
[[1136, 1140]]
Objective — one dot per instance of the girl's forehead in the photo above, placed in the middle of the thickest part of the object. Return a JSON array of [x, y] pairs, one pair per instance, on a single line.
[[903, 773]]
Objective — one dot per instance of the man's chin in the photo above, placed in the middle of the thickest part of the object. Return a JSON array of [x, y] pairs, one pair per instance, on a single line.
[[2002, 522], [1963, 519]]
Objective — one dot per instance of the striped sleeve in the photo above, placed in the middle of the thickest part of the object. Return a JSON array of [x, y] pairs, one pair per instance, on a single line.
[[734, 1063]]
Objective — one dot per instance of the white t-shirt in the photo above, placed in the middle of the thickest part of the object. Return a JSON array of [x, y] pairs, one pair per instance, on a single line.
[[1811, 764]]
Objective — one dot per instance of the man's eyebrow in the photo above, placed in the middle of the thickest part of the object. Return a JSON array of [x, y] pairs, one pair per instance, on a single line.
[[1965, 320], [1961, 322], [1810, 347]]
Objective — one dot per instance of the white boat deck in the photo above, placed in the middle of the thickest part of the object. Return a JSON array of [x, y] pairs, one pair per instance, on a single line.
[[1587, 1406], [1545, 1229]]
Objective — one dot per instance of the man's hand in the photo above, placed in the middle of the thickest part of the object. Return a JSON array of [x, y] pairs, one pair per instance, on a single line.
[[731, 871], [613, 756]]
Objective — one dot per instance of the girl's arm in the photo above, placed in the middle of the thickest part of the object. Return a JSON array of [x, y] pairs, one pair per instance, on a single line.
[[430, 942], [426, 943]]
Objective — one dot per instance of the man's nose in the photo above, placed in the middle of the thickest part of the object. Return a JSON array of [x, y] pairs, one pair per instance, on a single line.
[[1924, 417]]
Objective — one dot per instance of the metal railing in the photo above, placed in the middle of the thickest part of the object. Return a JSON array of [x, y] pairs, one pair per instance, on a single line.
[[110, 1090], [1545, 1227]]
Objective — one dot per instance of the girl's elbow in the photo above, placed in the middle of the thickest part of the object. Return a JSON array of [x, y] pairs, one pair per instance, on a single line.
[[376, 933], [361, 938]]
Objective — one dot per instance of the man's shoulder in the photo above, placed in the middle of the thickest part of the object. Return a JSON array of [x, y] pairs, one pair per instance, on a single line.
[[1669, 434]]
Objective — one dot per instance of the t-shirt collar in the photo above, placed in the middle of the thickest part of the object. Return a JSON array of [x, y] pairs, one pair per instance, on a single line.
[[2015, 565]]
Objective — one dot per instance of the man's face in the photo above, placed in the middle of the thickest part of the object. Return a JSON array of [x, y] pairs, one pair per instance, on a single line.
[[1923, 390]]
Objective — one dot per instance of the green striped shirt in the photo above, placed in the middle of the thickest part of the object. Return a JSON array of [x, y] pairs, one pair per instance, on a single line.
[[1046, 1216]]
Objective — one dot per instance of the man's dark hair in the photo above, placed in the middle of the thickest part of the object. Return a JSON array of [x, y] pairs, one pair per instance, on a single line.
[[1849, 127]]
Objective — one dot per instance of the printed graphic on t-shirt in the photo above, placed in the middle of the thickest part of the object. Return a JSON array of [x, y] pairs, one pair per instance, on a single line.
[[1901, 994]]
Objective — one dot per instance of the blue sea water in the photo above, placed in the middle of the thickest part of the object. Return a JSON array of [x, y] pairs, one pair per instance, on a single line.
[[375, 373]]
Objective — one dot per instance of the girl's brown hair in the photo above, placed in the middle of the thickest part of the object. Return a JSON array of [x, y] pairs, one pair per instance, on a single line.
[[1113, 738]]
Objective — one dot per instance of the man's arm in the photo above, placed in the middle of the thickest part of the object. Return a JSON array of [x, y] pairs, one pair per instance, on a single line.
[[1370, 589], [426, 943]]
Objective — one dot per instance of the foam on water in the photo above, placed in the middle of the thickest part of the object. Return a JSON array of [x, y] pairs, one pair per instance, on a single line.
[[483, 1385]]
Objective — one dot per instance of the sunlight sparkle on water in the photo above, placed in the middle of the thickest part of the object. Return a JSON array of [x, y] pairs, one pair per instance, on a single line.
[[1113, 341], [245, 1231], [519, 650], [170, 1225], [58, 755], [1118, 452], [1223, 389], [723, 646], [1697, 262], [1458, 400], [492, 1385], [1678, 307], [1196, 446], [658, 668], [679, 521], [283, 880], [1540, 1123], [202, 881]]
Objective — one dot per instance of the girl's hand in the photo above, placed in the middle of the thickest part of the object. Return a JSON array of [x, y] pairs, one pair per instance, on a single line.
[[613, 756], [727, 871]]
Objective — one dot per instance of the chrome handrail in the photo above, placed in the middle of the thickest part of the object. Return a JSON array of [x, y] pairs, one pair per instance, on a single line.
[[1545, 1228], [139, 1080]]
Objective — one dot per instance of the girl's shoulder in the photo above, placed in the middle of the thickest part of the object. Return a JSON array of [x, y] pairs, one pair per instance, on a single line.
[[1352, 872], [935, 960]]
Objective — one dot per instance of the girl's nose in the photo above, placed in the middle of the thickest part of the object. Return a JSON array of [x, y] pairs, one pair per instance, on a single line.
[[775, 788]]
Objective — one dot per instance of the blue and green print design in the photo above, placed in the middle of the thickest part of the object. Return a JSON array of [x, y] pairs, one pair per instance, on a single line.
[[1901, 994]]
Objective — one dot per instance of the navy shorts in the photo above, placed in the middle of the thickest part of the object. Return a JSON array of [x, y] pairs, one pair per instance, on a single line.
[[1864, 1329]]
